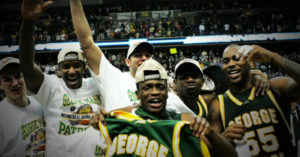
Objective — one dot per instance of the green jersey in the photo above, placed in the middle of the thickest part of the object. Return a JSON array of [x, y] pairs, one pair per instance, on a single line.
[[129, 135], [267, 130], [201, 108]]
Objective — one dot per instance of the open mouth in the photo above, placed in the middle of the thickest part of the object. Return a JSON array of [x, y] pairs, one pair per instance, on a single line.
[[155, 103], [233, 73], [189, 86], [72, 81], [16, 90]]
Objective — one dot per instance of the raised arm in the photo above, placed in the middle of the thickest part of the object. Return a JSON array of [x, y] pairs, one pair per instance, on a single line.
[[30, 11], [217, 144], [82, 29], [288, 87]]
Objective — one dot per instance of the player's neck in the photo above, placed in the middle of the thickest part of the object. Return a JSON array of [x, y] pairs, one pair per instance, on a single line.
[[188, 101], [243, 85], [21, 102]]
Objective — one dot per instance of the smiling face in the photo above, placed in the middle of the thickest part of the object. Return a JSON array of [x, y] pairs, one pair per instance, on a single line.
[[136, 59], [188, 81], [12, 82], [235, 66], [72, 73], [153, 95]]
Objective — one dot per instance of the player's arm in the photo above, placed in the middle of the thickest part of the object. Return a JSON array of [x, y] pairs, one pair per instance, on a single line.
[[217, 144], [288, 87], [100, 116], [30, 11], [83, 32], [214, 115], [232, 132], [261, 82]]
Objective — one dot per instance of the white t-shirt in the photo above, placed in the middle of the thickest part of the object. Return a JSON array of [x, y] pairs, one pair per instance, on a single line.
[[22, 129], [67, 113], [175, 104], [118, 89]]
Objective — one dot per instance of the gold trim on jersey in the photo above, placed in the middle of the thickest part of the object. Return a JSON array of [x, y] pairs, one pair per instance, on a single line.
[[237, 101], [124, 115], [201, 99], [271, 96], [222, 109], [204, 148], [176, 138], [106, 136]]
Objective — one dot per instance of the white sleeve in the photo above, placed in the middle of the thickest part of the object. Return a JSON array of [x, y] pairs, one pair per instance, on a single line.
[[175, 104], [46, 90], [108, 74], [2, 143]]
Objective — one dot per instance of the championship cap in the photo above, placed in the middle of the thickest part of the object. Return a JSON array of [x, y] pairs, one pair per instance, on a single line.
[[186, 61], [139, 46], [70, 53], [150, 70], [8, 60]]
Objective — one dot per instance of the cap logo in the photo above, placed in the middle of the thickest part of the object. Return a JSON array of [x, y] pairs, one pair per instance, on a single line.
[[151, 75], [71, 56]]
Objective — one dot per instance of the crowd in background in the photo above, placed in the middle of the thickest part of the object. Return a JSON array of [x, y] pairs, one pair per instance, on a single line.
[[205, 55], [207, 18]]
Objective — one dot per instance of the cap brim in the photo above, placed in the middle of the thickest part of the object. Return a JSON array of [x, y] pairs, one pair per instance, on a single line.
[[144, 45], [179, 68], [219, 77]]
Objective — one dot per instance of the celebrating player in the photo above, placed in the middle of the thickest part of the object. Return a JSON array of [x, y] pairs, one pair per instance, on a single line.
[[22, 126], [157, 128], [264, 117], [117, 89], [68, 102]]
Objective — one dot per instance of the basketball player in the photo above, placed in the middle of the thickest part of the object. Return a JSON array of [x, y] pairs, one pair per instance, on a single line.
[[68, 102], [151, 79], [117, 89], [22, 126], [263, 117]]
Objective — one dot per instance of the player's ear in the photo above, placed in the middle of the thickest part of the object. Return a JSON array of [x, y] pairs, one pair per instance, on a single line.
[[174, 87], [127, 61], [138, 94]]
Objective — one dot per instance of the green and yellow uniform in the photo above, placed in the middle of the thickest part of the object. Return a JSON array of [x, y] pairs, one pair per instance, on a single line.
[[130, 135], [267, 129], [201, 108]]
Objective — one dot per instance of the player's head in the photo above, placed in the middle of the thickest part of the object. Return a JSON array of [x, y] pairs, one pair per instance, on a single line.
[[151, 80], [188, 78], [71, 65], [11, 79], [235, 65], [137, 54]]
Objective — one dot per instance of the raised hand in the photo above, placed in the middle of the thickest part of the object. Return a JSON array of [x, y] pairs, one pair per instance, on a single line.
[[259, 54], [261, 82], [234, 131], [99, 117], [33, 9]]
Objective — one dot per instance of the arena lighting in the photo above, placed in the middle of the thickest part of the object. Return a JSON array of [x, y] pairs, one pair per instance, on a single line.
[[206, 39], [240, 38]]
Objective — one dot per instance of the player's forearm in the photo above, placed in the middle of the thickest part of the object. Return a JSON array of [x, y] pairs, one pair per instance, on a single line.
[[288, 66], [26, 46], [82, 28], [220, 146], [32, 73]]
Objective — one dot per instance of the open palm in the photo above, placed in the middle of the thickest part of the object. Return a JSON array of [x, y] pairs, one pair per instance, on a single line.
[[33, 9]]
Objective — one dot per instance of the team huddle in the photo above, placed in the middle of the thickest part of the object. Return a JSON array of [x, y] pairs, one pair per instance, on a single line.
[[138, 113]]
